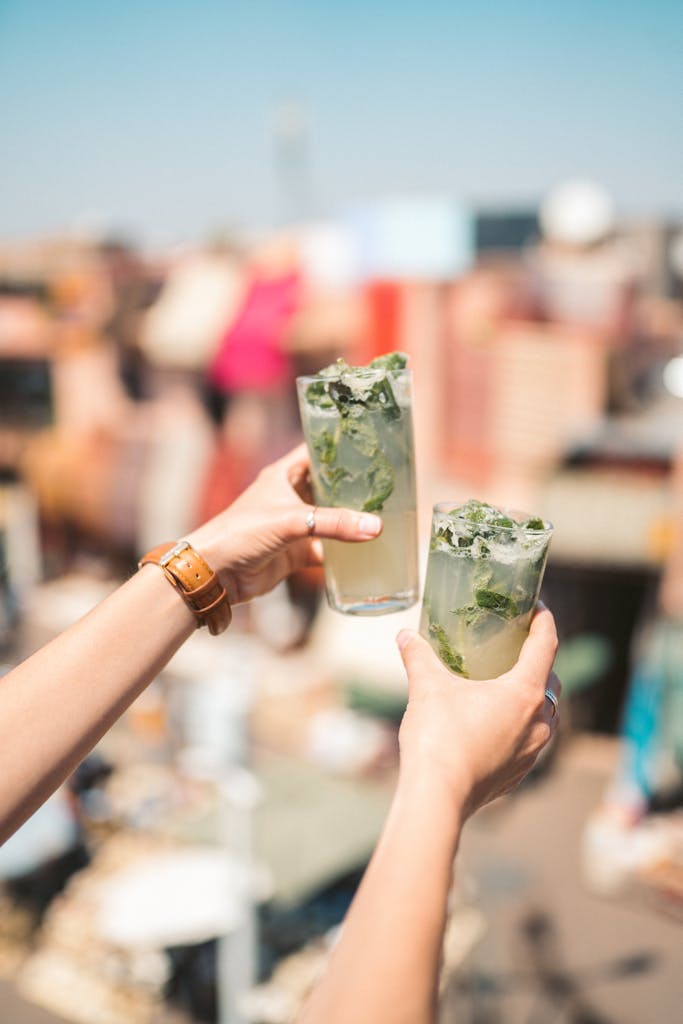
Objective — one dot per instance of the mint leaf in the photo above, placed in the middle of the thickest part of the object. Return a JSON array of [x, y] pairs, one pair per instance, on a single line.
[[378, 396], [360, 433], [477, 519], [342, 396], [447, 652], [487, 601], [470, 614], [332, 478], [443, 534], [447, 535], [482, 574], [354, 392], [380, 478], [473, 511], [382, 397], [317, 395], [390, 361], [501, 604], [325, 444]]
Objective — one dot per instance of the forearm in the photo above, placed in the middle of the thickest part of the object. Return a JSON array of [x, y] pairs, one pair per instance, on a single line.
[[385, 966], [56, 705]]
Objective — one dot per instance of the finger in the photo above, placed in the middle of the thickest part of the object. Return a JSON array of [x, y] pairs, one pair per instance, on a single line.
[[331, 523], [296, 456], [304, 554], [315, 552], [296, 467], [538, 652], [555, 685], [343, 524], [296, 462], [419, 658], [302, 486]]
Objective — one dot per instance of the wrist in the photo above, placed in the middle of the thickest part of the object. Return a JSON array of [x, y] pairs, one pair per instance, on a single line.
[[195, 580], [211, 547], [423, 791]]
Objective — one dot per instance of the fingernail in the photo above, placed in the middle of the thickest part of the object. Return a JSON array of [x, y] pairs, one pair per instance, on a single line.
[[369, 525], [402, 638]]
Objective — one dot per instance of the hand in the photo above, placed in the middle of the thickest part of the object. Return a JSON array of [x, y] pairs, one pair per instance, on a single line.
[[264, 535], [479, 738]]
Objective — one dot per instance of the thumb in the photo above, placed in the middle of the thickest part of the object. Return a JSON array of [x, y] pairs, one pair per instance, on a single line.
[[418, 657]]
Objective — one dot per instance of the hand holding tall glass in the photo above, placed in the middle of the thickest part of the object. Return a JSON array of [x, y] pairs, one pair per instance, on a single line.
[[357, 422], [484, 575]]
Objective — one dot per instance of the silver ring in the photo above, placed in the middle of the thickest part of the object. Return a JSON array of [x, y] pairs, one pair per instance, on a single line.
[[310, 521], [553, 700]]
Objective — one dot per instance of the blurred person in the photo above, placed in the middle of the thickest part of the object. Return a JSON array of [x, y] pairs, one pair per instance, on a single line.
[[106, 471], [181, 330], [583, 274], [626, 836], [333, 317], [250, 378], [131, 293], [58, 703]]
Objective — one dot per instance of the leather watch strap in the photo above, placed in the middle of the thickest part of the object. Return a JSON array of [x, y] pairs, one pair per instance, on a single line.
[[196, 581]]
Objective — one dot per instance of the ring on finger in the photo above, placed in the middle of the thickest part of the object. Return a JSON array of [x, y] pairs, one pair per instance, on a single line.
[[554, 701], [310, 521]]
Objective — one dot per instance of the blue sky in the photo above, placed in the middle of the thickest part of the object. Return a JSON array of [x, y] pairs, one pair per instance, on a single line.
[[157, 117]]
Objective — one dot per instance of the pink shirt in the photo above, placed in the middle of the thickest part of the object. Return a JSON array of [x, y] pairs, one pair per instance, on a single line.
[[251, 355]]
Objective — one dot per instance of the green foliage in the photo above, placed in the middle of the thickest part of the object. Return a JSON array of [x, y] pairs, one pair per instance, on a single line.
[[380, 478], [447, 652], [488, 602], [335, 391], [325, 445], [332, 478], [317, 395], [390, 361], [382, 397], [360, 432], [344, 390], [492, 601]]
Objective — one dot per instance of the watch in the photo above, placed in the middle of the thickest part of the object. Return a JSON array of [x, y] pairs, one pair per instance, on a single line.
[[195, 581]]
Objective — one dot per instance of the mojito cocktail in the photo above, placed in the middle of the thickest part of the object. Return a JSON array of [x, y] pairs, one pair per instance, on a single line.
[[358, 424], [484, 574]]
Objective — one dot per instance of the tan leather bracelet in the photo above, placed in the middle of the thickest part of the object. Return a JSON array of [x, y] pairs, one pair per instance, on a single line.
[[195, 581]]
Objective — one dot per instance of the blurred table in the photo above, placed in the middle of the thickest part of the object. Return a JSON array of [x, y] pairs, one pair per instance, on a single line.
[[312, 827]]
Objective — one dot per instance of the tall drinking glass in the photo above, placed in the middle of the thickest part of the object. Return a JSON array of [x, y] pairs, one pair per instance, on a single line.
[[484, 575], [358, 424]]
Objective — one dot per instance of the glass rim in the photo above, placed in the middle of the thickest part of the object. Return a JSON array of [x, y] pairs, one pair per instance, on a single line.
[[310, 378], [447, 508]]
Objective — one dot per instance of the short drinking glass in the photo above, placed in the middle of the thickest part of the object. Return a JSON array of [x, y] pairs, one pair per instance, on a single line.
[[484, 575]]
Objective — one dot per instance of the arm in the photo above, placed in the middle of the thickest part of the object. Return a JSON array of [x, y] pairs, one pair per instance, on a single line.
[[463, 743], [57, 704]]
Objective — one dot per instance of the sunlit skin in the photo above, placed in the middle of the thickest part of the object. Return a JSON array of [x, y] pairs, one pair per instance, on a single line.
[[462, 743]]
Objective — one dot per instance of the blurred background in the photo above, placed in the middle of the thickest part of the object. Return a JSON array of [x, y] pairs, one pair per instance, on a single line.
[[197, 203]]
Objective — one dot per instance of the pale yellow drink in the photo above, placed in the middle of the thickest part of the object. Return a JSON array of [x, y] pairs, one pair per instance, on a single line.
[[358, 425], [483, 577]]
